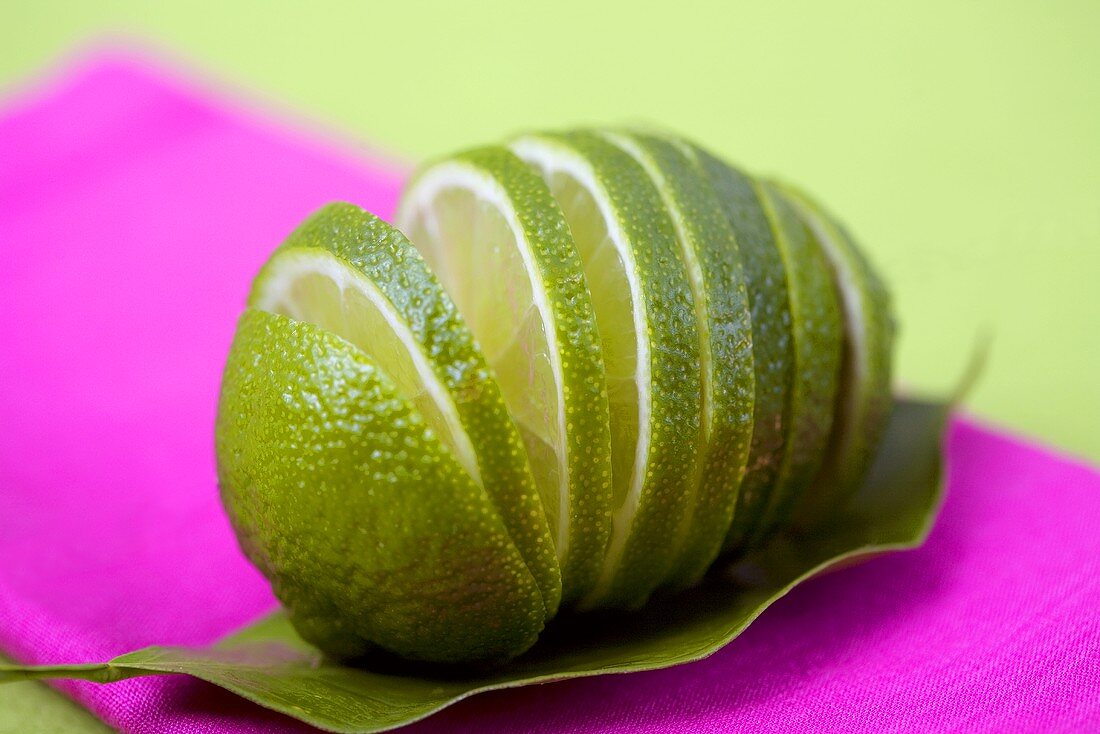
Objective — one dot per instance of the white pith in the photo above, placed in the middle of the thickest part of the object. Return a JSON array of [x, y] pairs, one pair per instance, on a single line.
[[415, 205], [272, 294], [550, 158]]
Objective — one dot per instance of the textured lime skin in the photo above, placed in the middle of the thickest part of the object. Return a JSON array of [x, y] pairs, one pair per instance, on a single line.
[[675, 387], [817, 335], [587, 440], [384, 256], [368, 529], [725, 331], [864, 400], [773, 346]]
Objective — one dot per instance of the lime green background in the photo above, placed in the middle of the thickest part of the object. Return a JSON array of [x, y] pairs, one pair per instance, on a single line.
[[960, 140]]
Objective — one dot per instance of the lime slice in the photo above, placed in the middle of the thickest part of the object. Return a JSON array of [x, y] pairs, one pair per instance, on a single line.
[[310, 433], [355, 276], [864, 398], [773, 348], [643, 305], [490, 230], [710, 252], [817, 335]]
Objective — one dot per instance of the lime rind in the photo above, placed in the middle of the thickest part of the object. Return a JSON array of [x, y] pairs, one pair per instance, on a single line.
[[651, 504], [578, 494], [713, 260], [384, 260], [817, 335], [311, 433], [773, 348], [863, 397]]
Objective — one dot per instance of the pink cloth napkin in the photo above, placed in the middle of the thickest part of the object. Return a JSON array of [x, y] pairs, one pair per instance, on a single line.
[[134, 210]]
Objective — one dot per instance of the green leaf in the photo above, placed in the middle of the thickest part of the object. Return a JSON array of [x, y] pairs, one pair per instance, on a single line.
[[267, 663]]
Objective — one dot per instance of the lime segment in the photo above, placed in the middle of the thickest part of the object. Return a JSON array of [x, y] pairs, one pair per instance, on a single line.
[[713, 261], [864, 399], [641, 294], [817, 335], [491, 231], [773, 347]]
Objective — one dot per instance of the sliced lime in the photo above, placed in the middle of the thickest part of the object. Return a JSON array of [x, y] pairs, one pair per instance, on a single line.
[[817, 335], [343, 496], [492, 233], [773, 348], [355, 276], [643, 305], [863, 397], [710, 252]]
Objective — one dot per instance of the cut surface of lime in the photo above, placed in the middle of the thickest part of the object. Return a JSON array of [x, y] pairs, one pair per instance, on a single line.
[[310, 434], [492, 233], [642, 299], [713, 261], [357, 277], [863, 394]]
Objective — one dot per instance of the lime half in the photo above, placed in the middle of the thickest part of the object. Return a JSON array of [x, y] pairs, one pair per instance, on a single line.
[[345, 498], [356, 277], [641, 294], [492, 233]]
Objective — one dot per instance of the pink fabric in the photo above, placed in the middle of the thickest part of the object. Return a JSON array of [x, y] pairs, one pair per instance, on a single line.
[[134, 209]]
